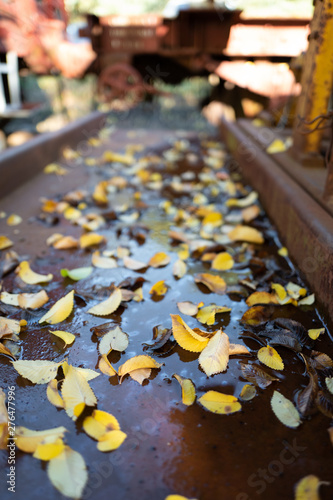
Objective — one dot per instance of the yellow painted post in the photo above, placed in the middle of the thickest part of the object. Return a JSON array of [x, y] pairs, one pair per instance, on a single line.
[[317, 81]]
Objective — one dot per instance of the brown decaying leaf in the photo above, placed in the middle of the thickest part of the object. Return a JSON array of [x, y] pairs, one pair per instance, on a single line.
[[306, 398], [257, 376], [257, 315]]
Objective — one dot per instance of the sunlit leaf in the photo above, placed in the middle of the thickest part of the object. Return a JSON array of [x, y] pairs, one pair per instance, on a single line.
[[91, 239], [76, 391], [187, 308], [159, 288], [214, 283], [60, 310], [27, 440], [270, 357], [223, 404], [206, 315], [115, 339], [246, 233], [80, 273], [215, 356], [188, 389], [5, 242], [308, 488], [179, 268], [111, 440], [160, 259], [105, 366], [314, 333], [46, 451], [284, 410], [136, 363], [67, 337], [109, 305], [98, 260], [307, 301], [99, 423], [261, 298], [37, 371], [186, 337], [29, 276], [223, 262], [68, 473], [53, 395], [87, 373], [248, 392], [213, 219]]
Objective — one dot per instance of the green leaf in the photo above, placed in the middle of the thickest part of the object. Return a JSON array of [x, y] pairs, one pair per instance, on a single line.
[[76, 274]]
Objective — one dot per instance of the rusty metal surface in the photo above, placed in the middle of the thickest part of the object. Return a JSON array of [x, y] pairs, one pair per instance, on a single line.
[[170, 449], [306, 228]]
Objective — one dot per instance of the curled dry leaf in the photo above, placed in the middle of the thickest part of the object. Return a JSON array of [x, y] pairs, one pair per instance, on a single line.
[[285, 411], [214, 283], [238, 349], [186, 337], [11, 325], [60, 310], [140, 375], [314, 333], [270, 357], [257, 376], [105, 366], [206, 315], [261, 298], [76, 393], [38, 372], [179, 268], [68, 473], [187, 308], [250, 213], [160, 259], [159, 288], [28, 440], [29, 276], [77, 274], [223, 404], [215, 356], [246, 233], [188, 389], [67, 337], [60, 242], [306, 398], [223, 262], [308, 488], [25, 300], [53, 395], [242, 202], [103, 262], [137, 363], [115, 339], [109, 305]]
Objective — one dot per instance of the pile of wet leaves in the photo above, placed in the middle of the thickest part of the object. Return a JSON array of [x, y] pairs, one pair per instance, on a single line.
[[165, 237]]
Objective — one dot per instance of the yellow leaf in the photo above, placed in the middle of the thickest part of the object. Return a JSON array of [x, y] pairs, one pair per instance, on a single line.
[[279, 146], [99, 423], [285, 411], [242, 202], [188, 389], [329, 384], [222, 262], [5, 242], [47, 451], [14, 325], [100, 193], [68, 473], [136, 363], [14, 220], [134, 265], [307, 488], [160, 259], [295, 291], [160, 288], [85, 372], [27, 440], [214, 358], [223, 404], [248, 392], [71, 213], [214, 283], [91, 239], [183, 251], [110, 156], [283, 251], [111, 440], [236, 349], [140, 375], [270, 357], [76, 391], [39, 371], [250, 213], [3, 421], [105, 366], [103, 262], [67, 337], [60, 310], [186, 337], [80, 273], [115, 339], [4, 350], [261, 298], [178, 497], [256, 315], [32, 300], [307, 301], [179, 268], [214, 219], [280, 291], [54, 168], [30, 277], [53, 395], [246, 233], [315, 332], [187, 308], [206, 315], [109, 305], [63, 242]]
